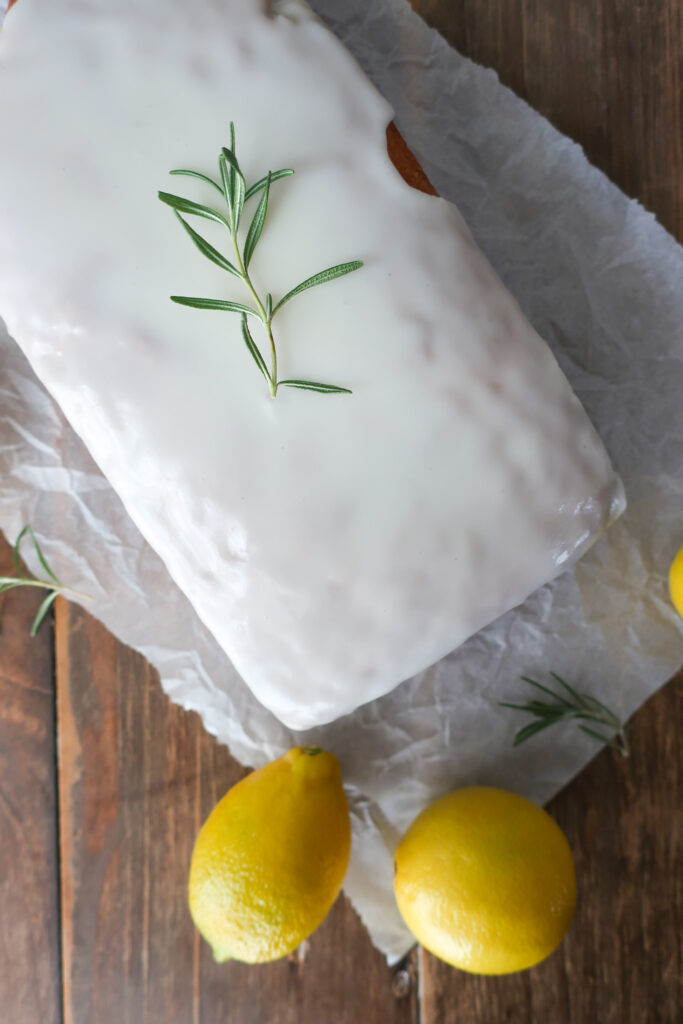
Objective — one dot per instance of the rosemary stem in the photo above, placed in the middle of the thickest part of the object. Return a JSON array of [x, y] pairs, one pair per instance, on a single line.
[[58, 587], [262, 312], [75, 593], [273, 359], [584, 708]]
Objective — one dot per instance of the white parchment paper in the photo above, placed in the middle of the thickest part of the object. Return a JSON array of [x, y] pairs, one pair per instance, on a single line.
[[602, 281]]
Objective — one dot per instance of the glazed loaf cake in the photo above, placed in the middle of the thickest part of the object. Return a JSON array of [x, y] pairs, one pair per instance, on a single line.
[[335, 544]]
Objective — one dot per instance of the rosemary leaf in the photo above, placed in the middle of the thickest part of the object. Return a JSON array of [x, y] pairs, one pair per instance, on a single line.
[[236, 206], [547, 710], [261, 183], [540, 686], [53, 585], [583, 708], [220, 304], [229, 154], [206, 249], [256, 226], [188, 206], [6, 581], [228, 189], [321, 278], [515, 707], [240, 195], [233, 149], [311, 385], [528, 731], [16, 558], [253, 348], [598, 704], [43, 610], [572, 693], [236, 188], [202, 177], [39, 553]]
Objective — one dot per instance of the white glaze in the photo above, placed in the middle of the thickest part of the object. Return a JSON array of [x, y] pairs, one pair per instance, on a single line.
[[333, 545]]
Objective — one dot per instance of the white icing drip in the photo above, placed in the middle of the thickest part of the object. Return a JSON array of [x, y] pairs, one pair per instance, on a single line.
[[334, 545]]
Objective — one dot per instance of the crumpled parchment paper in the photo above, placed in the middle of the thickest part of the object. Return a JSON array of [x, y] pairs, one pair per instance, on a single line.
[[601, 280]]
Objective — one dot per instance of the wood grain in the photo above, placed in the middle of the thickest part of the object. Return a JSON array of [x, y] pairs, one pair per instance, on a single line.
[[608, 73], [138, 775], [128, 784], [29, 934]]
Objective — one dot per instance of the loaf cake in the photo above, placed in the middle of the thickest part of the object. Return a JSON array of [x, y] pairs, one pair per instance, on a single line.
[[335, 542]]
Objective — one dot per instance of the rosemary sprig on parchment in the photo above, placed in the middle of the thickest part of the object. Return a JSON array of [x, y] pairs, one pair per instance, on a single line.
[[53, 585], [234, 191], [570, 705]]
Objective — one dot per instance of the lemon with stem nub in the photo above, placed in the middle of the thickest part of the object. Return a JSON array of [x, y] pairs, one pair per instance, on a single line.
[[485, 880], [676, 582], [270, 859]]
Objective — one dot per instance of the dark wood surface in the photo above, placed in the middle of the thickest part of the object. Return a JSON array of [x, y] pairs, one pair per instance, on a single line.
[[29, 919], [93, 920], [608, 73], [137, 777]]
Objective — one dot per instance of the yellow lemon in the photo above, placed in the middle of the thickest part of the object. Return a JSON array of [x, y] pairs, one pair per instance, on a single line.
[[485, 880], [676, 582], [270, 859]]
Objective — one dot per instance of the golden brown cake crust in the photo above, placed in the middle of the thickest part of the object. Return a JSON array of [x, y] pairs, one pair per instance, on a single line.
[[405, 163]]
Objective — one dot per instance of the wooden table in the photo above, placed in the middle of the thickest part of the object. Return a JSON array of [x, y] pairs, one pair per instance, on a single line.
[[103, 782]]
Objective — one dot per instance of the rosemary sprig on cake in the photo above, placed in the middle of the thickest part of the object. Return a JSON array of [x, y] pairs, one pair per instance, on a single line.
[[236, 194], [568, 705], [52, 584]]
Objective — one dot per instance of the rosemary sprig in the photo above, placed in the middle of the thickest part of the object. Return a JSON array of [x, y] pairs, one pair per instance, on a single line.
[[235, 193], [570, 705], [53, 585]]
